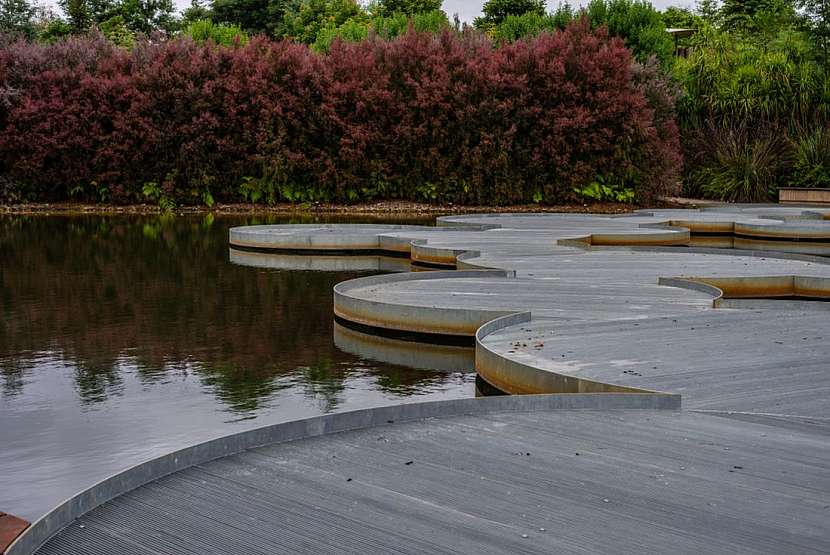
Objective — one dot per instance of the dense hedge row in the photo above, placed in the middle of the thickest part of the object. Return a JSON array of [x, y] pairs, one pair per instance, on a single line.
[[425, 117]]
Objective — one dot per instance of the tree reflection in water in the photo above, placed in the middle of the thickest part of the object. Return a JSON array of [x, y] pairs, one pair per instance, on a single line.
[[156, 296]]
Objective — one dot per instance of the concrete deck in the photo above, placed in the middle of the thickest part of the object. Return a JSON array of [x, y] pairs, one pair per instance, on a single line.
[[596, 272], [553, 304], [544, 482]]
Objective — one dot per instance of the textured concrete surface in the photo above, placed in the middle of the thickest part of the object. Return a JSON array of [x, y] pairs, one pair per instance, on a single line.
[[547, 482], [764, 361], [141, 474]]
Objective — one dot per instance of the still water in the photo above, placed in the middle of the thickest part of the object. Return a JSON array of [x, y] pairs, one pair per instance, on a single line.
[[122, 338]]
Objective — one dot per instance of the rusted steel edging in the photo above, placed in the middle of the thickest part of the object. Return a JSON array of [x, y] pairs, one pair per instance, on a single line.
[[123, 482]]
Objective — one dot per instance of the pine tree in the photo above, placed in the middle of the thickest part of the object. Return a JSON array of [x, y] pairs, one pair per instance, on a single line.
[[17, 18]]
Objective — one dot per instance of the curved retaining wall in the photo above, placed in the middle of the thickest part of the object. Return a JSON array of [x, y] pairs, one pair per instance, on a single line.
[[331, 237], [152, 470], [725, 289], [411, 318], [517, 378], [669, 237]]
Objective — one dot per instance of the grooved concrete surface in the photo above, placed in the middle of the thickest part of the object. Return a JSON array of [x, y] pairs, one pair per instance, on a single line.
[[763, 361], [550, 482]]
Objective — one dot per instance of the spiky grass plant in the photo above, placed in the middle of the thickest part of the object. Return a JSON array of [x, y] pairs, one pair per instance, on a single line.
[[811, 158], [744, 168]]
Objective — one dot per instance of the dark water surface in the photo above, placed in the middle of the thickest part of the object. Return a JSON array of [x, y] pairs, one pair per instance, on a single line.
[[123, 338]]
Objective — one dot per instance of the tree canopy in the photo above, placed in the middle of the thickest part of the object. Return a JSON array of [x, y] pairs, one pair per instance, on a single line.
[[496, 11]]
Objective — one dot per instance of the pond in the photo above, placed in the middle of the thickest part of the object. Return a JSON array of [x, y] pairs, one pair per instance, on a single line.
[[126, 337]]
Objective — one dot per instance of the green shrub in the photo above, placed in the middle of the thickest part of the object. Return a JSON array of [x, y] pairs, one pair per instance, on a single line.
[[744, 168], [515, 27], [407, 7], [225, 35], [350, 31], [728, 77], [638, 23], [356, 30], [496, 11], [602, 189], [811, 159], [116, 30], [305, 20], [397, 25]]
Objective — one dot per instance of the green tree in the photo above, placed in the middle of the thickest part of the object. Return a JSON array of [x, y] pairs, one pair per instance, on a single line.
[[197, 11], [531, 24], [116, 30], [50, 28], [78, 15], [266, 17], [817, 13], [252, 15], [147, 16], [388, 8], [681, 18], [17, 17], [708, 10], [496, 11], [756, 16], [304, 22], [206, 30], [638, 23]]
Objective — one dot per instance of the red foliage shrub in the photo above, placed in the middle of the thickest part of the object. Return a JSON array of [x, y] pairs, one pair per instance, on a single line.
[[426, 117]]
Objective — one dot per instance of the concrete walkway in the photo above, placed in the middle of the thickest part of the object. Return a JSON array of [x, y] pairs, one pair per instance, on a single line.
[[621, 307], [546, 482]]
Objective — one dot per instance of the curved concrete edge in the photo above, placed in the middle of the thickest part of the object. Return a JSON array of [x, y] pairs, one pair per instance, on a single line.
[[437, 256], [797, 246], [413, 318], [144, 473], [369, 238], [777, 255], [517, 378], [727, 290], [755, 253], [286, 237], [784, 230], [462, 262], [668, 237], [694, 285], [450, 222], [702, 226], [335, 237]]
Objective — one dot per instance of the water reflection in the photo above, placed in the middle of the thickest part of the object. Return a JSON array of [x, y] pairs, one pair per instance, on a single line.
[[449, 358], [124, 337], [323, 263], [157, 294]]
